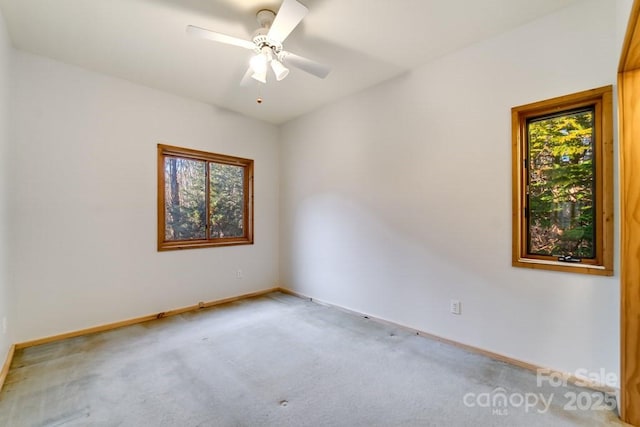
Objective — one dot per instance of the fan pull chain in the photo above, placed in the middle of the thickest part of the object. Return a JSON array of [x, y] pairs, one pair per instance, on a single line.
[[259, 98]]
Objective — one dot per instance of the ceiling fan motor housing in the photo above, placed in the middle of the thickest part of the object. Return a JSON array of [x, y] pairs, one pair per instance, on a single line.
[[261, 40]]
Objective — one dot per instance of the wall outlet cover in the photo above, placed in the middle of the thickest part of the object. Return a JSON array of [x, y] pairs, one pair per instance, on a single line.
[[455, 307]]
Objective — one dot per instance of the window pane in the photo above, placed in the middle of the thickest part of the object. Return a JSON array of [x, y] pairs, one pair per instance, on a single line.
[[184, 201], [226, 184], [561, 185]]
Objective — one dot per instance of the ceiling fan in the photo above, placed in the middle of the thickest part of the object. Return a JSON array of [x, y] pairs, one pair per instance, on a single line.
[[267, 43]]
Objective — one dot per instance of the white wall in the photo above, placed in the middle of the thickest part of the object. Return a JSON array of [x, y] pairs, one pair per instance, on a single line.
[[398, 199], [83, 200], [623, 7], [6, 57]]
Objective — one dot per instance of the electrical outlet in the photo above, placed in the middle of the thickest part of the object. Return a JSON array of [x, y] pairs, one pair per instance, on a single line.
[[455, 307], [239, 274]]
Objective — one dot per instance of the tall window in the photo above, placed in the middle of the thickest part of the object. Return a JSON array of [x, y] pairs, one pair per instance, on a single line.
[[563, 183], [204, 199]]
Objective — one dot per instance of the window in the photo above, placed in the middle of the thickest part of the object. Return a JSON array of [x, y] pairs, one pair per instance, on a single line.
[[204, 199], [563, 183]]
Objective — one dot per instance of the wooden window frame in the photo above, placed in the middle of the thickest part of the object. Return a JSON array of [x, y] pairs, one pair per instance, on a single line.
[[601, 100], [187, 153]]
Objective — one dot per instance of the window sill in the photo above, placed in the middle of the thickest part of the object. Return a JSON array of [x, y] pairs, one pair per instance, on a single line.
[[171, 246], [592, 269]]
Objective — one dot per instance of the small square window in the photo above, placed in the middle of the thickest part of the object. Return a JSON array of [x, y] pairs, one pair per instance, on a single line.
[[204, 199]]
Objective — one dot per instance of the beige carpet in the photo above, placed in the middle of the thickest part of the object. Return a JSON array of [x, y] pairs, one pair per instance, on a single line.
[[276, 361]]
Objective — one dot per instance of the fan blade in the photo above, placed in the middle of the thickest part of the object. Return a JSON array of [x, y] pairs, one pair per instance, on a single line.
[[289, 16], [311, 67], [218, 37]]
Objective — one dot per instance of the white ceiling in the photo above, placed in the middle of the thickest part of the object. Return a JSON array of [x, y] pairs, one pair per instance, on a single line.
[[364, 41]]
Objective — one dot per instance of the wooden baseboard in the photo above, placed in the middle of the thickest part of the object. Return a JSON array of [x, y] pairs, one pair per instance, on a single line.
[[570, 378], [101, 328], [141, 319], [299, 295], [7, 365]]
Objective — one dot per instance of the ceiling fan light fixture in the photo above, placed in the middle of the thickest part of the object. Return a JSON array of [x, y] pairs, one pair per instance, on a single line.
[[267, 43], [279, 70], [259, 63], [261, 77]]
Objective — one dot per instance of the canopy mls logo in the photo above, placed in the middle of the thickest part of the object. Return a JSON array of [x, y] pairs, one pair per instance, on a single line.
[[500, 401]]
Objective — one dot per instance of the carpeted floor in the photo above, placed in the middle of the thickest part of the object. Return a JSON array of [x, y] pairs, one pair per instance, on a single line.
[[278, 360]]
